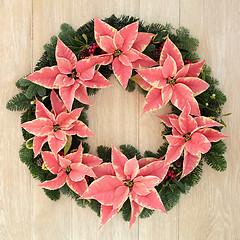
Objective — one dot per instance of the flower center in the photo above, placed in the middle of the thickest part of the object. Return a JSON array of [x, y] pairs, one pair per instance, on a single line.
[[171, 81], [117, 53], [68, 169], [128, 183], [73, 74], [55, 127], [187, 137]]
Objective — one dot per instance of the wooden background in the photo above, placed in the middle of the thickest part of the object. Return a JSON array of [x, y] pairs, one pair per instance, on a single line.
[[210, 211]]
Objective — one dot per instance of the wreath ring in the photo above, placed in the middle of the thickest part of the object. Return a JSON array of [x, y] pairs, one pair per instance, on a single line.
[[165, 67]]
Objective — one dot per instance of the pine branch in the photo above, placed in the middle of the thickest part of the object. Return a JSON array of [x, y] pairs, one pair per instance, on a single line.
[[130, 152], [18, 103]]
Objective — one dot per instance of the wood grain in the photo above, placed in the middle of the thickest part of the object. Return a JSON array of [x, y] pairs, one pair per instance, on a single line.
[[15, 185], [210, 211], [215, 201]]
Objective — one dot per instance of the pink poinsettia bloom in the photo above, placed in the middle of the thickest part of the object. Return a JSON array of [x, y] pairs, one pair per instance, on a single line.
[[125, 178], [124, 47], [55, 127], [190, 136], [172, 81], [70, 169], [70, 76]]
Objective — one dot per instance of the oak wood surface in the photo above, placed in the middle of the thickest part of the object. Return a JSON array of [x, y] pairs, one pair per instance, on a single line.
[[210, 211]]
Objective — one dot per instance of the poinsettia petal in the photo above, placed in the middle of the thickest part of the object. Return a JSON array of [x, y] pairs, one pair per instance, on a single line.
[[78, 187], [129, 34], [175, 140], [78, 172], [157, 168], [51, 162], [195, 69], [211, 134], [141, 82], [57, 104], [76, 157], [169, 68], [142, 41], [189, 163], [143, 62], [64, 161], [86, 67], [104, 169], [62, 51], [55, 183], [131, 168], [107, 212], [81, 95], [153, 100], [183, 95], [103, 190], [43, 112], [176, 127], [65, 119], [124, 60], [169, 48], [140, 189], [182, 72], [64, 66], [90, 160], [150, 181], [120, 196], [56, 144], [197, 143], [197, 85], [38, 143], [118, 162], [39, 127], [106, 44], [132, 55], [102, 29], [80, 129], [136, 209], [67, 94], [103, 59], [166, 119], [153, 76], [63, 80], [167, 93], [152, 200], [98, 81], [44, 77], [207, 122], [144, 161], [122, 72], [173, 153], [186, 122], [118, 40]]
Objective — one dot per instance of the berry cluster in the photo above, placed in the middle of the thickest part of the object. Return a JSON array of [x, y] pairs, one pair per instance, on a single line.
[[93, 48], [187, 61], [171, 176]]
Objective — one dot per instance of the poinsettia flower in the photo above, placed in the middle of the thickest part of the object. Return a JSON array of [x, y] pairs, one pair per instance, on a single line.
[[124, 47], [70, 76], [190, 136], [70, 169], [171, 80], [55, 127], [125, 178]]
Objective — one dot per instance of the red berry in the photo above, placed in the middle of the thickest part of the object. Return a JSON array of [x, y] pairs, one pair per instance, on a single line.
[[196, 61], [174, 179]]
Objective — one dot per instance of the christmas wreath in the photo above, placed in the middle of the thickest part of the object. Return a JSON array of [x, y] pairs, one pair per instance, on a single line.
[[164, 66]]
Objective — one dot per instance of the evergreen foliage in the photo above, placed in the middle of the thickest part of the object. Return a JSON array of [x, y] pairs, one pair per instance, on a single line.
[[18, 103], [210, 103]]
